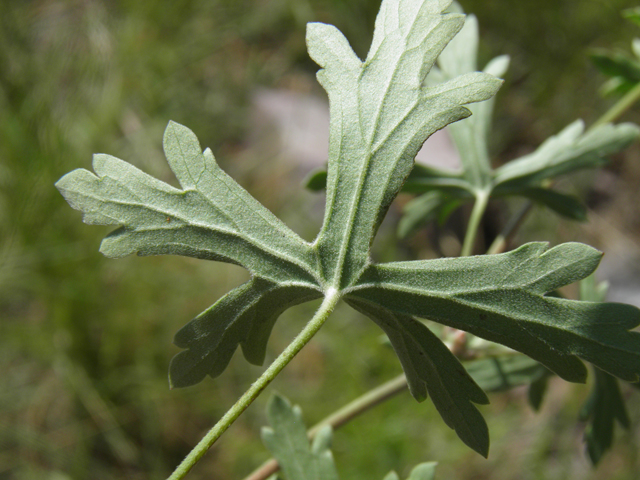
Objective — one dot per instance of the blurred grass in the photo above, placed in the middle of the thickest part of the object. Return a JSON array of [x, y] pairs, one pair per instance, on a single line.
[[86, 341]]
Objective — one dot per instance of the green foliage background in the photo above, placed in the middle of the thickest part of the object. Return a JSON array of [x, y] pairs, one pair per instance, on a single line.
[[85, 341]]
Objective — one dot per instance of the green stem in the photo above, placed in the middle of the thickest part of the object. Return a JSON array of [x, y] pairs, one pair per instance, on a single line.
[[362, 404], [331, 299], [499, 245], [479, 207], [620, 107], [340, 417]]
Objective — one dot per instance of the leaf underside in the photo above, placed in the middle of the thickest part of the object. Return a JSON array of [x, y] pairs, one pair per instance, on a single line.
[[382, 111]]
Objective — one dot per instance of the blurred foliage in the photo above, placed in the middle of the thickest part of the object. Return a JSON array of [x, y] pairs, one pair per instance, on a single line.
[[86, 340]]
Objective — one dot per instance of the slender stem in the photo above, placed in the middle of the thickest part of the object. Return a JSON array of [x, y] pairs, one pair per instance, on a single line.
[[362, 404], [499, 245], [479, 207], [620, 107], [321, 315], [341, 417]]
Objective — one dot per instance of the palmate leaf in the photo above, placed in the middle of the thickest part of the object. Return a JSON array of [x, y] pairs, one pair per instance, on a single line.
[[571, 150], [382, 110]]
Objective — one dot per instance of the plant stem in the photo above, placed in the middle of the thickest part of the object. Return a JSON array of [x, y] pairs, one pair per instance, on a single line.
[[620, 107], [341, 417], [479, 207], [499, 245], [330, 300], [362, 404]]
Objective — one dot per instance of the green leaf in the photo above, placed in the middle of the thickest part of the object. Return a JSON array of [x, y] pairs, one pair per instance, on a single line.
[[421, 209], [431, 367], [381, 114], [496, 374], [424, 471], [245, 316], [470, 137], [565, 205], [287, 441], [418, 211], [616, 65], [569, 151], [212, 217], [501, 298], [604, 406], [317, 180], [536, 391]]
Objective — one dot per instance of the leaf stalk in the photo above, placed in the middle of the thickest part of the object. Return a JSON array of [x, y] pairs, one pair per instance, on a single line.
[[479, 207], [620, 107], [326, 308]]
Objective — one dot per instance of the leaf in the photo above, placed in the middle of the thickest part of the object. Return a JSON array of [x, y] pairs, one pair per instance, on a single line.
[[501, 298], [565, 205], [605, 404], [431, 367], [569, 151], [618, 65], [245, 316], [536, 392], [382, 111], [496, 374], [381, 114], [211, 218], [424, 208], [287, 441], [424, 471], [316, 180]]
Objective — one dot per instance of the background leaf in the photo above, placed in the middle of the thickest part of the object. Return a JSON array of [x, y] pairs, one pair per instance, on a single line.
[[605, 404], [287, 441]]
